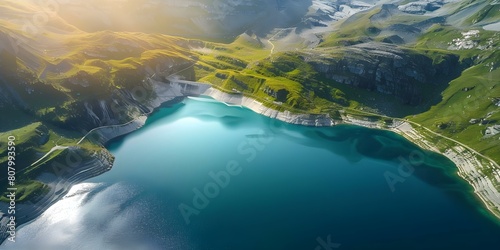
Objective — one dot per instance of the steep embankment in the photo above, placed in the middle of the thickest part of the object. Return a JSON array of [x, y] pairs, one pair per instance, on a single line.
[[406, 74], [59, 171], [57, 83], [405, 59]]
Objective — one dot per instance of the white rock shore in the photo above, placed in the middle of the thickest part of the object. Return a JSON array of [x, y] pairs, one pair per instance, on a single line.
[[258, 107], [470, 165], [71, 173]]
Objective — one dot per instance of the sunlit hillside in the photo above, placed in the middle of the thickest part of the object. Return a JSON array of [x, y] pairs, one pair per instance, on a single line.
[[68, 67]]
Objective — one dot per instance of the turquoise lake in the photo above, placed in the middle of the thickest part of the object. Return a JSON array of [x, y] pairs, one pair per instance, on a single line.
[[204, 175]]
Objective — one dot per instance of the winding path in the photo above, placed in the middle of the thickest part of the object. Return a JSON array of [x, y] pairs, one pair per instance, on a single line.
[[48, 153], [272, 44]]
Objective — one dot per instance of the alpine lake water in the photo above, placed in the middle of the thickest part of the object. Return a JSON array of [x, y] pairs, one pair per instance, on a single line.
[[204, 175]]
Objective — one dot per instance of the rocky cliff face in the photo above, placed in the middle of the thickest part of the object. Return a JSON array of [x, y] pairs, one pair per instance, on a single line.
[[124, 105], [87, 105], [164, 93], [77, 164], [388, 69]]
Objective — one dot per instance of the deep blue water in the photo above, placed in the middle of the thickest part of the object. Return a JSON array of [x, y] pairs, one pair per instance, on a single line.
[[244, 181]]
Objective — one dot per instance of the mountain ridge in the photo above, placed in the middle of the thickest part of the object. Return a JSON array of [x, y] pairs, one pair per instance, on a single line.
[[435, 66]]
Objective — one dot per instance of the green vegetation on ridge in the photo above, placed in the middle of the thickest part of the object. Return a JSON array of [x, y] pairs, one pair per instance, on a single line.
[[54, 87]]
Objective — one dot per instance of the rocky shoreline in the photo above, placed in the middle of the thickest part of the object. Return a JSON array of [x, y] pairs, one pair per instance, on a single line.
[[59, 184], [99, 162], [469, 166], [258, 107]]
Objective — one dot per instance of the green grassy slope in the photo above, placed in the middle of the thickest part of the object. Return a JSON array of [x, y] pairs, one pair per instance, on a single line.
[[472, 95], [48, 76], [56, 72]]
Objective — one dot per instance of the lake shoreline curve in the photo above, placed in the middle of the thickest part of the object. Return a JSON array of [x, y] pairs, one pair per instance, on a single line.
[[469, 164]]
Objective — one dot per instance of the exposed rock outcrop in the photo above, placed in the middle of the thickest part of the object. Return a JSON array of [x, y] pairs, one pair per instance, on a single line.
[[388, 69], [163, 92], [318, 120], [74, 166]]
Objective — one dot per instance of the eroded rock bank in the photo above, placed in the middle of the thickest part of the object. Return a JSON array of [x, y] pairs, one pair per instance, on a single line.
[[77, 164], [164, 92], [479, 171], [256, 106], [482, 173], [73, 166], [472, 166]]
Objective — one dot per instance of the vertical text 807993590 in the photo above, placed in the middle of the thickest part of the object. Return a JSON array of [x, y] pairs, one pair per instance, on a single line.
[[11, 189]]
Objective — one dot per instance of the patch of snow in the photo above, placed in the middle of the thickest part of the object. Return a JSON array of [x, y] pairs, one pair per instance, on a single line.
[[341, 9], [325, 6], [424, 6]]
